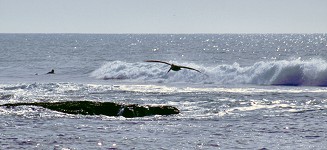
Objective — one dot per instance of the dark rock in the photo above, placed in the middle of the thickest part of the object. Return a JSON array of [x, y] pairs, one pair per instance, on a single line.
[[103, 108]]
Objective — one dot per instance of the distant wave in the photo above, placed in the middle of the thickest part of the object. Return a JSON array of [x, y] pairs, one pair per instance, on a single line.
[[118, 70], [290, 72], [283, 72]]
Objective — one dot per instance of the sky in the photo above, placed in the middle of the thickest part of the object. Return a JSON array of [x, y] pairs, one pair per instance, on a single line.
[[163, 16]]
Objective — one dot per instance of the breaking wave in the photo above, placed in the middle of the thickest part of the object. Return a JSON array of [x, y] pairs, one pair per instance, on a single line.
[[282, 72]]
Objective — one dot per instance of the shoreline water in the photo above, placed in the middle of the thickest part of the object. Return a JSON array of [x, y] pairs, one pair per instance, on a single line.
[[256, 91]]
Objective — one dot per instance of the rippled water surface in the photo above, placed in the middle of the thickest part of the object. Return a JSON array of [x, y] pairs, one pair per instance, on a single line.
[[254, 92]]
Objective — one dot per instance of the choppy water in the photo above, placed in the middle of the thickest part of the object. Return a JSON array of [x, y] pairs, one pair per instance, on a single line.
[[254, 92]]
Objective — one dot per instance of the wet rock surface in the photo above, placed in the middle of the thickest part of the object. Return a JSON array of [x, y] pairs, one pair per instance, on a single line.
[[102, 108]]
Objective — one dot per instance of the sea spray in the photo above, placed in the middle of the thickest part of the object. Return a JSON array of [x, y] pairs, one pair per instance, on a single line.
[[142, 71], [295, 72]]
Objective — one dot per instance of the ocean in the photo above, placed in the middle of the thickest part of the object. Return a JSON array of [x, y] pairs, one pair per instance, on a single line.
[[255, 91]]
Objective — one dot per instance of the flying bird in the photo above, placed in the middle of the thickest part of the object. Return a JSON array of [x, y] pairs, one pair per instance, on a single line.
[[173, 66]]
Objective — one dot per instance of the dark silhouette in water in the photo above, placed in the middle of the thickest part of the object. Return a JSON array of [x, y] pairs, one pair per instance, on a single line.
[[102, 108], [173, 66], [51, 72]]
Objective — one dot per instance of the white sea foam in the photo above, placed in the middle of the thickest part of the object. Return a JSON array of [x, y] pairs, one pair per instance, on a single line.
[[228, 105], [283, 72]]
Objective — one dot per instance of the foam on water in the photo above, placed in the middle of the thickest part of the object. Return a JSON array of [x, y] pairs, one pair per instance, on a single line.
[[118, 70], [230, 105], [193, 101], [294, 72]]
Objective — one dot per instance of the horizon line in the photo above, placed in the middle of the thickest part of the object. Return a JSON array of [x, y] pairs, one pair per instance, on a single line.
[[152, 33]]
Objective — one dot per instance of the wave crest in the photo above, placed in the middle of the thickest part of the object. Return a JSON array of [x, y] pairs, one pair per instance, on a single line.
[[283, 72], [293, 72], [118, 70]]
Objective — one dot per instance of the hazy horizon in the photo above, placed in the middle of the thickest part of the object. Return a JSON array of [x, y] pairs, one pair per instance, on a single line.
[[164, 17]]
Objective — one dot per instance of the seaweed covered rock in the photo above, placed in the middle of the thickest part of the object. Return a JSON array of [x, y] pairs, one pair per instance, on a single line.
[[103, 108]]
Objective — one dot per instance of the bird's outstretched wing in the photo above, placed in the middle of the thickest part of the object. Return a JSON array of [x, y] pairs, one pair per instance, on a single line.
[[158, 61], [190, 68], [172, 65]]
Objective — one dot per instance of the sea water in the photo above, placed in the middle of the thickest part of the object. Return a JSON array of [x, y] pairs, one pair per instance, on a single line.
[[255, 91]]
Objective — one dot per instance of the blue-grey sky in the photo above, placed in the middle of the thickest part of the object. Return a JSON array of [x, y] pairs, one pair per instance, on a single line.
[[163, 16]]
